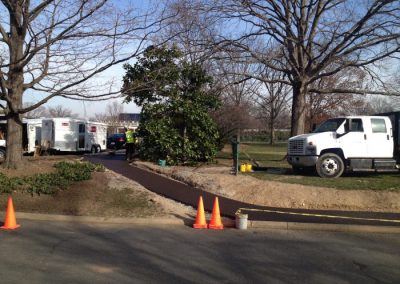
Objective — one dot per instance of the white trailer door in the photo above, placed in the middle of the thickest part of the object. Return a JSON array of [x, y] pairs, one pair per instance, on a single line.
[[47, 134], [81, 136]]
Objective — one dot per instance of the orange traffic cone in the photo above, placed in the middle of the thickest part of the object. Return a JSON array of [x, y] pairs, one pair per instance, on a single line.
[[215, 222], [201, 217], [10, 223]]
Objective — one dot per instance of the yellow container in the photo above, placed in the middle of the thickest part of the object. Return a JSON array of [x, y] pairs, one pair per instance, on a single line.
[[242, 168], [249, 167]]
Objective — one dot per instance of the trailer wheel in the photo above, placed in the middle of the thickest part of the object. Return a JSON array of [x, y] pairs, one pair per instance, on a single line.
[[98, 149], [330, 165], [93, 150], [2, 155]]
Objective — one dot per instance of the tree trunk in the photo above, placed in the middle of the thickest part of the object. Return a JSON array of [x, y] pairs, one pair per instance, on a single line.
[[14, 143], [298, 108], [272, 132], [18, 28]]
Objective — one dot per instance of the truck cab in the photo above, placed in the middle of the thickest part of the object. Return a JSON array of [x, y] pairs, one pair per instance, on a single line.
[[352, 143]]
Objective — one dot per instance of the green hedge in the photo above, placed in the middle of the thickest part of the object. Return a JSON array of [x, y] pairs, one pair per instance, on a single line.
[[49, 183]]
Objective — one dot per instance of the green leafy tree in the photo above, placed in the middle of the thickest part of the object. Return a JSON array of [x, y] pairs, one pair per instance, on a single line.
[[176, 100]]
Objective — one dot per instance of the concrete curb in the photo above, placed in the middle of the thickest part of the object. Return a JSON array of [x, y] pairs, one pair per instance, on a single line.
[[228, 223], [103, 220]]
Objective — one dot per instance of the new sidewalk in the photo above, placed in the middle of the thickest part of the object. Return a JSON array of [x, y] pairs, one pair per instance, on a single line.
[[259, 216]]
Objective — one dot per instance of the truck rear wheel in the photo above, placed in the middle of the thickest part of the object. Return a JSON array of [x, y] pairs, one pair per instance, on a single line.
[[330, 165]]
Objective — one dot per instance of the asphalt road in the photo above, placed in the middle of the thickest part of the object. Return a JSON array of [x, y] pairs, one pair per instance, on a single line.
[[62, 252], [189, 195]]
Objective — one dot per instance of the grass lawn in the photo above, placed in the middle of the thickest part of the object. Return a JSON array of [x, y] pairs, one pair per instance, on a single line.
[[273, 157]]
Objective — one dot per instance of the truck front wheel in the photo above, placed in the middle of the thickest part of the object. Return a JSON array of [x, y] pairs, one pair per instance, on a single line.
[[330, 165]]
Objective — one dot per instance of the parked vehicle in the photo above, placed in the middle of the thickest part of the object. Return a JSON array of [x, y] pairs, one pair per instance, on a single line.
[[31, 135], [116, 141], [353, 143], [73, 135]]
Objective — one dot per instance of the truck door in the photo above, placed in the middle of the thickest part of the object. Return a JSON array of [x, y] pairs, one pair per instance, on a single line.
[[81, 136], [353, 141], [380, 138]]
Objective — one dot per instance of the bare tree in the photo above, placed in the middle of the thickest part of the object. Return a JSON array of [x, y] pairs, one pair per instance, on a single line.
[[40, 111], [374, 105], [111, 115], [60, 48], [312, 39], [60, 111], [319, 107], [236, 94], [273, 98]]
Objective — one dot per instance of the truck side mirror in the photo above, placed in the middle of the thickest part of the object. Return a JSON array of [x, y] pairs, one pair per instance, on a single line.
[[314, 126]]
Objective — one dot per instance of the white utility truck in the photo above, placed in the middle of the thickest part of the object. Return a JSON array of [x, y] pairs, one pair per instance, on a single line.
[[73, 135], [352, 143]]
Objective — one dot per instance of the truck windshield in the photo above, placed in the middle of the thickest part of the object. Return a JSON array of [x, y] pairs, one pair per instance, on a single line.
[[329, 125]]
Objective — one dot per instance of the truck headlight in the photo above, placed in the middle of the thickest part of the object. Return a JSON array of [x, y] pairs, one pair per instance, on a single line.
[[311, 149]]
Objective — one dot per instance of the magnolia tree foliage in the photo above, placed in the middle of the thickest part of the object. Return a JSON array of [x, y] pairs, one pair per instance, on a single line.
[[175, 98]]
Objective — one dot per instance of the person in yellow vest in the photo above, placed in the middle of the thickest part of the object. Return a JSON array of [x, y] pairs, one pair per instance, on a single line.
[[130, 143]]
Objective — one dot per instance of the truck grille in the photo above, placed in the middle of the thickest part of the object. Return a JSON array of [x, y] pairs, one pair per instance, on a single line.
[[296, 147]]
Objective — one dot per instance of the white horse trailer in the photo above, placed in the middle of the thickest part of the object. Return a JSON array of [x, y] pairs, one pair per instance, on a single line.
[[73, 135], [31, 135]]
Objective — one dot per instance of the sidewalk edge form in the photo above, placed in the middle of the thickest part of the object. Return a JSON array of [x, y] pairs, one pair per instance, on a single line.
[[323, 227]]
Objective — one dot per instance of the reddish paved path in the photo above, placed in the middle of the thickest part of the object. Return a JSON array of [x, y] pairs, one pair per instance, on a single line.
[[188, 195]]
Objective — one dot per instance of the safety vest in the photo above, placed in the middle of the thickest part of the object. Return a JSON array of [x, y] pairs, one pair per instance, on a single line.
[[129, 136]]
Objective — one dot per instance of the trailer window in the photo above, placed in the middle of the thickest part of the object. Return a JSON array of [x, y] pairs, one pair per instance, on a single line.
[[378, 125], [81, 128]]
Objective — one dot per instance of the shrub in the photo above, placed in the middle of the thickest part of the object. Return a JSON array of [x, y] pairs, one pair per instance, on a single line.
[[75, 171], [44, 183], [50, 183], [8, 185]]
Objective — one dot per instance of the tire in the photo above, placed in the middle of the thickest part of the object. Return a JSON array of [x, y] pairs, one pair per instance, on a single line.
[[98, 149], [330, 165], [2, 155], [93, 150]]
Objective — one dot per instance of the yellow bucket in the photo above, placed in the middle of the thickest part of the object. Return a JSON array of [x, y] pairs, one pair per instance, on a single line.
[[242, 168], [249, 167]]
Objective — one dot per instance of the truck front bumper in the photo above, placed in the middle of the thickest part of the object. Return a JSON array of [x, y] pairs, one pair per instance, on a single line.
[[302, 161]]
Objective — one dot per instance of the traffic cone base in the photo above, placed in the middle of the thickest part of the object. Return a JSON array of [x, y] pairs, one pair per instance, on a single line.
[[200, 226], [215, 222], [201, 217], [10, 223], [5, 227], [216, 227]]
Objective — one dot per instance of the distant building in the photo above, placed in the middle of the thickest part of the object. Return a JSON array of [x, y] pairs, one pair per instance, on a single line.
[[130, 120], [135, 117]]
